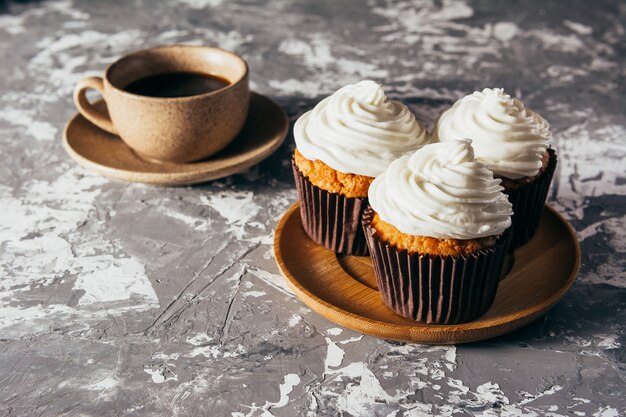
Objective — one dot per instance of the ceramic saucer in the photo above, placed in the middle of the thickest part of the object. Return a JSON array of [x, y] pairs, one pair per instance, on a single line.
[[343, 288], [106, 154]]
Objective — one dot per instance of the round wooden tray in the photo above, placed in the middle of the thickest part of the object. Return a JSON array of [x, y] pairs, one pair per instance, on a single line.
[[343, 288], [264, 131]]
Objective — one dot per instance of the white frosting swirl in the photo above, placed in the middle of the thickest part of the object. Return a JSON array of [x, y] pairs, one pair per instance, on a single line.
[[357, 130], [443, 192], [507, 137]]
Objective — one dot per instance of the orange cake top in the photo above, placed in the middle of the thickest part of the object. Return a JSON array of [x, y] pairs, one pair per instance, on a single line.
[[326, 178], [426, 245]]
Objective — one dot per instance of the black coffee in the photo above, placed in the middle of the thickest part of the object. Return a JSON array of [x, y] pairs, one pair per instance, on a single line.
[[176, 84]]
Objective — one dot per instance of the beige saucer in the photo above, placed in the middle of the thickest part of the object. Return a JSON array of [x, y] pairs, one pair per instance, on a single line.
[[264, 131], [343, 288]]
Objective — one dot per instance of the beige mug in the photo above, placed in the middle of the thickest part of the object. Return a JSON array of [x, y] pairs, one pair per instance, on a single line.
[[171, 129]]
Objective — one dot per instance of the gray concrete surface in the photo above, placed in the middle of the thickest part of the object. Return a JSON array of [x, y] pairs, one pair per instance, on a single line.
[[125, 299]]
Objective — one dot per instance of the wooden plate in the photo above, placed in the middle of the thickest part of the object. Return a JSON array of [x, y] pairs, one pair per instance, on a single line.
[[106, 154], [343, 288]]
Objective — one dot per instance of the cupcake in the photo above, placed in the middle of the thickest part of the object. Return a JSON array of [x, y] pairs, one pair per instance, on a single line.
[[437, 232], [513, 142], [342, 144]]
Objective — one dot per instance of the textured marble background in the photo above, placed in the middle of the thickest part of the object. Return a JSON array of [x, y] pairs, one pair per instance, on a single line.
[[125, 299]]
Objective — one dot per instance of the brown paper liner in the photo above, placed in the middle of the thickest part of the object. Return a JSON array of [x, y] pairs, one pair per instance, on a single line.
[[436, 289], [331, 220], [528, 201]]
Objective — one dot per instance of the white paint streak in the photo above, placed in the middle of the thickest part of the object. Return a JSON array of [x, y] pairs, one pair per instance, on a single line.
[[607, 412], [549, 391], [60, 63], [352, 339], [27, 119], [294, 320], [285, 388], [104, 384], [579, 28], [215, 351], [505, 31], [335, 65], [450, 354], [108, 279], [362, 393], [307, 88], [274, 280], [199, 339], [13, 25], [554, 41], [201, 4], [32, 320], [334, 355], [459, 389], [334, 331], [291, 380], [314, 52], [360, 396], [16, 25], [490, 393], [255, 294], [196, 223], [608, 341], [160, 375], [167, 357], [590, 231], [428, 18], [204, 347], [42, 247], [236, 207]]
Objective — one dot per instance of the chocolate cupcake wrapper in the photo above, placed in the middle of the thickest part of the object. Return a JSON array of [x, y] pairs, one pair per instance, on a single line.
[[528, 201], [435, 289], [331, 220]]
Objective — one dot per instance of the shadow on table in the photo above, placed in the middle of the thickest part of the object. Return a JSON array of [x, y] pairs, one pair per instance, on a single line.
[[5, 5], [588, 317]]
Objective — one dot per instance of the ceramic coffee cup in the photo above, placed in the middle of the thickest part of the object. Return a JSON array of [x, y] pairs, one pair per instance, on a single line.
[[171, 129]]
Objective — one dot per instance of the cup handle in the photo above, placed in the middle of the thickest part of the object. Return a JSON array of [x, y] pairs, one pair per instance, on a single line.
[[95, 116]]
